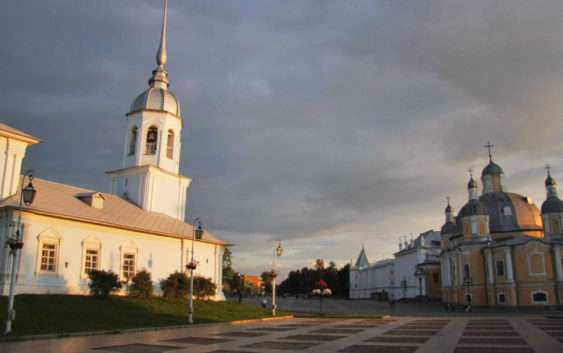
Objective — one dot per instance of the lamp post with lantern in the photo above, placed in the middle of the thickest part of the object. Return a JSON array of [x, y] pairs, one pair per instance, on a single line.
[[15, 243], [278, 252], [197, 235]]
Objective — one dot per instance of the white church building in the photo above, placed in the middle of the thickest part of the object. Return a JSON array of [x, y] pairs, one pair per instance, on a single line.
[[69, 231], [413, 272]]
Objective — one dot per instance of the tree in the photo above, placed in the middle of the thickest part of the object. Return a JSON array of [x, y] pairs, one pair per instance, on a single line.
[[175, 286], [203, 287], [141, 285], [267, 280], [102, 283]]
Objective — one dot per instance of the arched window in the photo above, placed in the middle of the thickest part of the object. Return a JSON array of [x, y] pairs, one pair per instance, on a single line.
[[501, 298], [555, 225], [170, 145], [539, 298], [133, 141], [152, 137]]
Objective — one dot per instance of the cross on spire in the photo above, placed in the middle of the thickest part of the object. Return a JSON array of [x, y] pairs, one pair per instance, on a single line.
[[548, 168], [470, 170], [489, 146], [448, 198]]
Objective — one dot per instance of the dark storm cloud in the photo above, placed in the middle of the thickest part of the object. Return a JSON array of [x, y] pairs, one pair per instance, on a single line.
[[325, 123]]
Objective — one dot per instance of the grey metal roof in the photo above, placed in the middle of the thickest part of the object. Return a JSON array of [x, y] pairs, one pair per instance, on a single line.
[[448, 228], [492, 169], [552, 205], [159, 99], [473, 208], [509, 212]]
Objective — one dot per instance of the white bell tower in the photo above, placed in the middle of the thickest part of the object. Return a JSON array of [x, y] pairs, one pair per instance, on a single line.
[[151, 155]]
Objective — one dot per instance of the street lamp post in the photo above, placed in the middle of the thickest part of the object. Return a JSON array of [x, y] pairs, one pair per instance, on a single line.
[[278, 252], [197, 234], [15, 243]]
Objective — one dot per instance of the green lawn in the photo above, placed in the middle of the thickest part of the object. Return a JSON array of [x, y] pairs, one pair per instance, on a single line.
[[40, 314]]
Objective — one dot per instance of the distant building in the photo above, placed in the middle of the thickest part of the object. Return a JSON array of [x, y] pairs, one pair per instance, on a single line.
[[500, 250], [414, 271], [69, 231]]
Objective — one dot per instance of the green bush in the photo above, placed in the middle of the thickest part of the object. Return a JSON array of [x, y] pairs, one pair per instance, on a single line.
[[103, 283], [141, 285], [203, 287], [177, 285]]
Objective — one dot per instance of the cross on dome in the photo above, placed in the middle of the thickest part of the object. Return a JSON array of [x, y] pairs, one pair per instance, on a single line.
[[489, 146]]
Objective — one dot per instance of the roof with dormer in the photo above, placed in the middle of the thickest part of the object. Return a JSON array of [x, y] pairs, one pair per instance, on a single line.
[[63, 201]]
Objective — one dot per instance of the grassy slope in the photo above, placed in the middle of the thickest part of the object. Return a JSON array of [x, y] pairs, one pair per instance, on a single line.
[[39, 314]]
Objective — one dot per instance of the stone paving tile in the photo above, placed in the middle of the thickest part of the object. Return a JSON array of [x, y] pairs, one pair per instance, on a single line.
[[338, 331], [289, 346], [491, 340], [410, 333], [493, 350], [360, 348], [355, 326], [138, 348], [483, 328], [555, 333], [490, 333], [241, 334], [297, 325], [273, 329], [383, 339], [307, 337], [199, 340], [229, 351]]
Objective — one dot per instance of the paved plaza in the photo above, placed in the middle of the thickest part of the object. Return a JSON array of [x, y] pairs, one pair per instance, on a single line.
[[471, 334]]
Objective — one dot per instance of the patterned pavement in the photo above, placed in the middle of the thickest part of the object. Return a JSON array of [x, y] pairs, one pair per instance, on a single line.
[[401, 335]]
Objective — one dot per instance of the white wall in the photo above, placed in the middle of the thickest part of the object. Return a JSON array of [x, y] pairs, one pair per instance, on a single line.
[[159, 255]]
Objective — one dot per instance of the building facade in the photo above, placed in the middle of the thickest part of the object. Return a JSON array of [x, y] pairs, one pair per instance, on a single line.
[[69, 231], [500, 249], [414, 272]]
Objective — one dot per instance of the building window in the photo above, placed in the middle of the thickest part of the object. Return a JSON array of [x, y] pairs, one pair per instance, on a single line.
[[500, 268], [133, 141], [539, 298], [474, 227], [466, 272], [482, 228], [91, 260], [536, 264], [436, 278], [466, 229], [501, 298], [152, 137], [555, 225], [170, 145], [128, 269], [49, 258], [507, 211]]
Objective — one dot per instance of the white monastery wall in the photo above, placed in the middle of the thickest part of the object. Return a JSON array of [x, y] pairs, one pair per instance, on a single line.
[[159, 255]]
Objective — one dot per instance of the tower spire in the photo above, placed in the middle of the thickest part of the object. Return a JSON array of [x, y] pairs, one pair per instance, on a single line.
[[159, 77], [161, 55]]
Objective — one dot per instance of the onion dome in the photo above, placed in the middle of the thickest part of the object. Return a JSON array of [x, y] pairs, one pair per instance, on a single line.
[[552, 205], [448, 228], [492, 169], [472, 184], [473, 208]]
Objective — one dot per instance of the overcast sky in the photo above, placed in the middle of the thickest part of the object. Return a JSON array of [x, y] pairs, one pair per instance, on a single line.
[[325, 124]]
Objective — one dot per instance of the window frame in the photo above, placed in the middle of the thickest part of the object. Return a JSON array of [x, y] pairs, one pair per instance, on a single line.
[[503, 268], [170, 141], [544, 302], [48, 237], [151, 147], [122, 265], [498, 298], [542, 261], [133, 141]]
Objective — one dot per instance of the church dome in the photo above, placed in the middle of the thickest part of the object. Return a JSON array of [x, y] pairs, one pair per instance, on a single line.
[[156, 99], [492, 169], [473, 208], [448, 228], [511, 212], [552, 205]]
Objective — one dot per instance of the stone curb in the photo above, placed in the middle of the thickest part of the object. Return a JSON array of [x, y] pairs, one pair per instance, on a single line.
[[134, 330]]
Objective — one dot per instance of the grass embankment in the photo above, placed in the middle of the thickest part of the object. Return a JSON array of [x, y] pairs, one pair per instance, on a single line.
[[42, 314]]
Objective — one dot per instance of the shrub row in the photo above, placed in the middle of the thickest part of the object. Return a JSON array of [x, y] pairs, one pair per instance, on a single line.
[[177, 285]]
